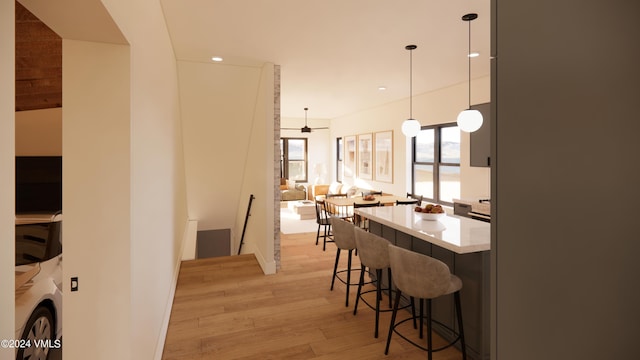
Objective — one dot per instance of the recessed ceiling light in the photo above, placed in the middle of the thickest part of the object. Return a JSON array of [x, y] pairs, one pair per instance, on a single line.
[[216, 58], [382, 88], [474, 54]]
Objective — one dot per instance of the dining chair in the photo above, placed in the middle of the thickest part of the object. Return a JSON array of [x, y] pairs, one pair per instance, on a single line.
[[339, 211], [323, 221], [417, 197], [359, 220], [371, 192], [407, 202]]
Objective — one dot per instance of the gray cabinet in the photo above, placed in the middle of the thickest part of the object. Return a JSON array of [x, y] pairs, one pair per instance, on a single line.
[[481, 139]]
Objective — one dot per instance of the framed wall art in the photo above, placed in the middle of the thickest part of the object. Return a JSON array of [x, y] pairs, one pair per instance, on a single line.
[[350, 157], [365, 156], [383, 156]]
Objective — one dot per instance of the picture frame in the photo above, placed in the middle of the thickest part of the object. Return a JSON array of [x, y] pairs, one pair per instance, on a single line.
[[365, 156], [350, 157], [383, 156]]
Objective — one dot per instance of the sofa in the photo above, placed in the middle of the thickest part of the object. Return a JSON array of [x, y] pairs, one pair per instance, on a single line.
[[290, 191], [319, 191]]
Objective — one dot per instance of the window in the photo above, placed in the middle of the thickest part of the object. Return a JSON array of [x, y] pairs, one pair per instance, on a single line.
[[436, 163], [293, 159], [339, 151]]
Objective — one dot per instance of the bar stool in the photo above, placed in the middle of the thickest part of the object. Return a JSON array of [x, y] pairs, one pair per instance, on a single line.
[[373, 251], [344, 238], [423, 277]]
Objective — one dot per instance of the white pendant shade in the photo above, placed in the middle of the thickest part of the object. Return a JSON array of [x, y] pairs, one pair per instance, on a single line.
[[469, 120], [410, 127]]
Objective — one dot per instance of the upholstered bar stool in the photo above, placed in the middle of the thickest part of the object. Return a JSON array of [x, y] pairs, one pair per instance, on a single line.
[[344, 238], [374, 254], [423, 277]]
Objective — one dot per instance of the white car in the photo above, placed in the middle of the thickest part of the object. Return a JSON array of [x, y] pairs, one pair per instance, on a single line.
[[38, 284]]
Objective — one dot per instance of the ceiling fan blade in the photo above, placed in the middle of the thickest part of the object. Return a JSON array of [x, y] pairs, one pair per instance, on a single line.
[[289, 128], [320, 128]]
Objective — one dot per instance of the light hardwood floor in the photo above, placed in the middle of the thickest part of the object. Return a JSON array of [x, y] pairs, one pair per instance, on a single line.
[[225, 308]]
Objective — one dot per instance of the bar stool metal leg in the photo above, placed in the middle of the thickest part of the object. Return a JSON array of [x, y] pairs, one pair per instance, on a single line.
[[393, 320], [360, 283], [378, 299], [335, 268], [348, 276], [463, 344]]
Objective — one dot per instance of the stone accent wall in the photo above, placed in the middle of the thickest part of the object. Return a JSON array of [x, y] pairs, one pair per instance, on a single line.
[[276, 164]]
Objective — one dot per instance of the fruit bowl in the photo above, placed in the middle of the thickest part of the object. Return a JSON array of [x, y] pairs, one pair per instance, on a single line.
[[431, 216]]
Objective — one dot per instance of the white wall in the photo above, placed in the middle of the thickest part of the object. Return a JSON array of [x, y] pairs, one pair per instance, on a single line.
[[96, 199], [123, 174], [225, 116], [438, 107], [39, 132], [158, 186], [257, 179], [320, 155], [7, 175]]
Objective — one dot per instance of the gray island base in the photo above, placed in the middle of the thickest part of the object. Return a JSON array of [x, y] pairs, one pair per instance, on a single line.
[[461, 243]]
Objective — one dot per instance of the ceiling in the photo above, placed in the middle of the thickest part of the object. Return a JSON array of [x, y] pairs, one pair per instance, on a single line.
[[334, 54], [38, 63]]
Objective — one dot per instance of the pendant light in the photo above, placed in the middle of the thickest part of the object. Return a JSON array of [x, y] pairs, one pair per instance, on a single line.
[[469, 120], [411, 126]]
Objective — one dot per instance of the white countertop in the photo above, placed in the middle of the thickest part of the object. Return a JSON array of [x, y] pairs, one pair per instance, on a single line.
[[458, 234]]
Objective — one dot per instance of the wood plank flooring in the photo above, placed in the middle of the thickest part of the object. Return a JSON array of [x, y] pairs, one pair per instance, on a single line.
[[226, 308]]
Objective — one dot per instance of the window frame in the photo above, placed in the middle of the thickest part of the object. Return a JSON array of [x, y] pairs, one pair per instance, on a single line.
[[436, 164], [339, 159], [284, 158]]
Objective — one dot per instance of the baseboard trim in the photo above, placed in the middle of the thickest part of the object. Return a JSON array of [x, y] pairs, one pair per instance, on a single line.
[[268, 267], [190, 225]]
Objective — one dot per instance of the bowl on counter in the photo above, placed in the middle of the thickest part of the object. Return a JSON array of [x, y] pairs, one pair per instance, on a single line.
[[430, 216]]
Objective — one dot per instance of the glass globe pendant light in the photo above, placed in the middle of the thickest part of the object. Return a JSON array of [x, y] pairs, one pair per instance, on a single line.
[[411, 126], [469, 120]]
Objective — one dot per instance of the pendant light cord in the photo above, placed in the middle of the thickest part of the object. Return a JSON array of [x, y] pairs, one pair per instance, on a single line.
[[411, 84], [469, 18], [410, 48], [469, 61]]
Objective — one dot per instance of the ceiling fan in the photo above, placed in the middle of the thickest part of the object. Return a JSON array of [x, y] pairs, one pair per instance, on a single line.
[[305, 129]]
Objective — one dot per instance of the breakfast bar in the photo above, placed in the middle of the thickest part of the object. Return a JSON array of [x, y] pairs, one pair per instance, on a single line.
[[464, 245]]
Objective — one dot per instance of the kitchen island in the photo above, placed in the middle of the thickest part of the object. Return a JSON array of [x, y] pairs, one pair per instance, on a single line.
[[461, 243]]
